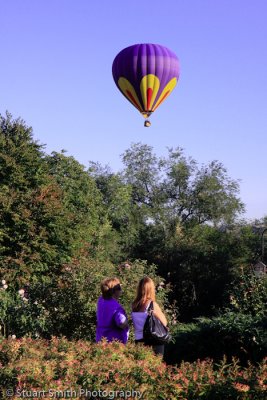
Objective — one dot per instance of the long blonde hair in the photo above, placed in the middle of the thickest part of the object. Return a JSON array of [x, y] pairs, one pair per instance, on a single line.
[[145, 292]]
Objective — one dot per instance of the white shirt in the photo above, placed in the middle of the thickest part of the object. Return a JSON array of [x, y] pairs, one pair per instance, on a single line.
[[139, 319]]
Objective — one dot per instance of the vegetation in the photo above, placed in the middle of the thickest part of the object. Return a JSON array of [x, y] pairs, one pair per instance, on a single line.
[[238, 331], [64, 228], [60, 365]]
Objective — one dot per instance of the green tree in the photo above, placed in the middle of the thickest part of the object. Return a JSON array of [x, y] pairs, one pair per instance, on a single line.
[[87, 224], [201, 261], [176, 189], [121, 211], [50, 208], [182, 216], [26, 196]]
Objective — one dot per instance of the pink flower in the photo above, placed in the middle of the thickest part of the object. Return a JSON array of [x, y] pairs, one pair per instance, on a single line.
[[241, 387], [262, 384]]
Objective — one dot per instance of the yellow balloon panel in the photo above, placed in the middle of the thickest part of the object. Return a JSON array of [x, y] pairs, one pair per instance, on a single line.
[[128, 90], [149, 88], [165, 93]]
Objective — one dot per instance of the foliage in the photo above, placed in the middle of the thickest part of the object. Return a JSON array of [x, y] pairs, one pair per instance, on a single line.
[[240, 330], [117, 200], [63, 229], [20, 316], [232, 334], [179, 216], [71, 303], [49, 208], [61, 365], [200, 263], [56, 239], [151, 197], [176, 188], [83, 202], [25, 194], [67, 305], [248, 294]]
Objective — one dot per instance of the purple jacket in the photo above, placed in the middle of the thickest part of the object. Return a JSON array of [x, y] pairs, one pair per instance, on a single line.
[[110, 314]]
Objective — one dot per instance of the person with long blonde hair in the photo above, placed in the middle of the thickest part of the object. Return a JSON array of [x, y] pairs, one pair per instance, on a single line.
[[145, 295]]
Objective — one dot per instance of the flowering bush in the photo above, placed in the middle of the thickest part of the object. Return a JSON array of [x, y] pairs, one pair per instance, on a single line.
[[19, 314], [61, 365], [248, 294], [66, 305]]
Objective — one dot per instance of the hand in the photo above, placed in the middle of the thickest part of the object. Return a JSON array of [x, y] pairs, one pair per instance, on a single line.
[[124, 325]]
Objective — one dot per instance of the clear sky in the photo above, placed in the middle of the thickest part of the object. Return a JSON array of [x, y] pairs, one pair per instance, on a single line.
[[56, 58]]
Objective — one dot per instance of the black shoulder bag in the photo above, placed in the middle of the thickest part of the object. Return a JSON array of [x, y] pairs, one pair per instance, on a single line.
[[154, 332]]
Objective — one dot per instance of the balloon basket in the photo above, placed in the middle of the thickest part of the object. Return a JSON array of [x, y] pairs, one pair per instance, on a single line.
[[147, 123]]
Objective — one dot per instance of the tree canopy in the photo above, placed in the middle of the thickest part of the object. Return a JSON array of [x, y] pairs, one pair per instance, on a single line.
[[49, 206], [64, 227]]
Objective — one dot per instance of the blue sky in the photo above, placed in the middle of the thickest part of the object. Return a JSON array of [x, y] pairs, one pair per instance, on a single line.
[[56, 58]]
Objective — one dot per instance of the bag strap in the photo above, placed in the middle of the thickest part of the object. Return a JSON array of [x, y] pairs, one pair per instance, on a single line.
[[151, 307]]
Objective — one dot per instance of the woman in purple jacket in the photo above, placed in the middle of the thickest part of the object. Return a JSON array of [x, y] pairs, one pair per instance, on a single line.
[[112, 321]]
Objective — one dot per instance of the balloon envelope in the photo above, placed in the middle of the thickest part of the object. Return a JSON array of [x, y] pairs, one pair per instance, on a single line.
[[146, 74]]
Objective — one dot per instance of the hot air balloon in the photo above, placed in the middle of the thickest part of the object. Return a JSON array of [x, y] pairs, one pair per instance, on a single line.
[[146, 74]]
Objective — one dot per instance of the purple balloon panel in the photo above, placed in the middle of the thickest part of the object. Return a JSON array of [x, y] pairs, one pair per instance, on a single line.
[[146, 74]]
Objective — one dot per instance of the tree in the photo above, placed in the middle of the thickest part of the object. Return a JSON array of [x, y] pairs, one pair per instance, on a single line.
[[177, 189], [121, 211], [201, 261], [86, 223], [49, 208], [26, 193], [179, 211]]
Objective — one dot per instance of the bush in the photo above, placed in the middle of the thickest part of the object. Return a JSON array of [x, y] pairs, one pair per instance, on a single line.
[[61, 365], [233, 334], [240, 331], [248, 294], [67, 304]]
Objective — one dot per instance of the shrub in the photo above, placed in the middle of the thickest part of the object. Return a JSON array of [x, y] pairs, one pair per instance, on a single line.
[[67, 304], [233, 334], [61, 365], [248, 294], [239, 331]]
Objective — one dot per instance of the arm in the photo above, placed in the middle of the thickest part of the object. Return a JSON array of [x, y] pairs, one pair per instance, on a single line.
[[120, 320], [159, 314]]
